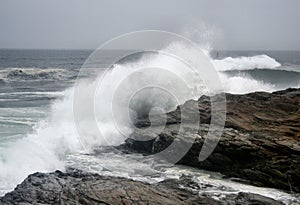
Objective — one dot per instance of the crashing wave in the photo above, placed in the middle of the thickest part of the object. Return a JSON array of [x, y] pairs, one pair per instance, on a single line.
[[246, 63], [45, 149]]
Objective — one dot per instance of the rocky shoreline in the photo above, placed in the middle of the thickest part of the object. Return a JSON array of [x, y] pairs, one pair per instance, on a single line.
[[259, 146], [77, 187], [260, 143]]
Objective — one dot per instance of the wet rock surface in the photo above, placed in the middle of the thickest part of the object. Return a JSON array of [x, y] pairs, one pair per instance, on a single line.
[[260, 143], [77, 187]]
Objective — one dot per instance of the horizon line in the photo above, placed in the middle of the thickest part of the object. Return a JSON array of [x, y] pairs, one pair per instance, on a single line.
[[91, 49]]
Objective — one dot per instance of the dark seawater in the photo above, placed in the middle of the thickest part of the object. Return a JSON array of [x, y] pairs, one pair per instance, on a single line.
[[29, 81], [60, 68], [33, 82]]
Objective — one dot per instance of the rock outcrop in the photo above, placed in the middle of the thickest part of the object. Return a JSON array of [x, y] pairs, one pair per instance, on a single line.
[[76, 187], [260, 142]]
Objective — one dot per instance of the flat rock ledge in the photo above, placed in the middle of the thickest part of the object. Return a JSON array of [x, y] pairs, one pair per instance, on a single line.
[[260, 143], [77, 187]]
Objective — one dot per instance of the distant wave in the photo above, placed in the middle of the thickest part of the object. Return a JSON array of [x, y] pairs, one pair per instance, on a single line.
[[26, 94], [34, 74], [246, 63], [282, 71]]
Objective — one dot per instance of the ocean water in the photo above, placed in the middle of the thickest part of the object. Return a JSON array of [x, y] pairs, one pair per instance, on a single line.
[[37, 131]]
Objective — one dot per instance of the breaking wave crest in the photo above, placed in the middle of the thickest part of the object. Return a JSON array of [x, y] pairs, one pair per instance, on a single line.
[[246, 63]]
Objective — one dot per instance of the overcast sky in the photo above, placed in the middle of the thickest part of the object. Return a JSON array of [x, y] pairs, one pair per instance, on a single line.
[[75, 24]]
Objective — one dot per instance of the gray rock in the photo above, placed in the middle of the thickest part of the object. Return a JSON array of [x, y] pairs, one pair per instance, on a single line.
[[260, 143], [77, 187]]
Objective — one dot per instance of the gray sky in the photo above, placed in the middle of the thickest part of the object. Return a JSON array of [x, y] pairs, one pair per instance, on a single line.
[[235, 24]]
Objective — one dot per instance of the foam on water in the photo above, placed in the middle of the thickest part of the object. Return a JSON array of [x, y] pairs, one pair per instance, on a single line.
[[42, 150], [147, 169], [244, 84], [246, 63], [241, 83]]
